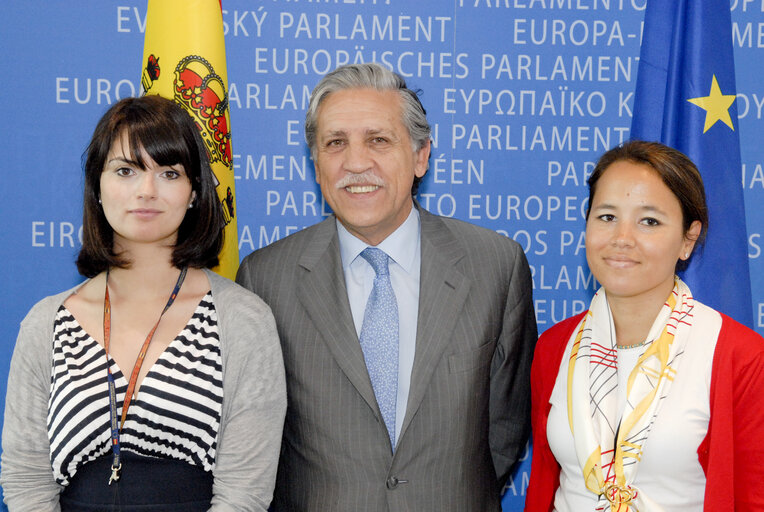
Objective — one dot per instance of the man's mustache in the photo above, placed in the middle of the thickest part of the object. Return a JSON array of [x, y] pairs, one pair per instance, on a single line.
[[364, 178]]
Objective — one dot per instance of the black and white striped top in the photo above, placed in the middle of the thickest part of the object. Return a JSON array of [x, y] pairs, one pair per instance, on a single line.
[[175, 414]]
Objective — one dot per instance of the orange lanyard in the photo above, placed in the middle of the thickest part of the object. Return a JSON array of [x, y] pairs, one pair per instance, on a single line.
[[116, 465]]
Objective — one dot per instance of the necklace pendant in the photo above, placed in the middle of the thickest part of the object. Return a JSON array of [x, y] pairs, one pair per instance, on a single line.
[[115, 473]]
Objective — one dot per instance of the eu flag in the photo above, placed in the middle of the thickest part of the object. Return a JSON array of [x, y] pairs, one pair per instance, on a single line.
[[685, 98]]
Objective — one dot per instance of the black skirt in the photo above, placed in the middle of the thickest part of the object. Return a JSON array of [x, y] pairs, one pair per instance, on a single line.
[[145, 484]]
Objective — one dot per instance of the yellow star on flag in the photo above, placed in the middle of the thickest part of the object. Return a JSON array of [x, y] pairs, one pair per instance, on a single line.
[[716, 106]]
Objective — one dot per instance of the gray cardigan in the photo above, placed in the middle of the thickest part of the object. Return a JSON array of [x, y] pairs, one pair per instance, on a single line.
[[254, 405]]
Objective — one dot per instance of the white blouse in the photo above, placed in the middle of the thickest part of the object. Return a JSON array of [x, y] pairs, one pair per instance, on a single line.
[[669, 474]]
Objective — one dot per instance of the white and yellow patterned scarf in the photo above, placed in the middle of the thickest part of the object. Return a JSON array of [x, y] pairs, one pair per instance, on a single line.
[[609, 451]]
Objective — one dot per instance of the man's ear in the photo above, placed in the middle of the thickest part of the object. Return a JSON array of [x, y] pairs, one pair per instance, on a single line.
[[422, 156]]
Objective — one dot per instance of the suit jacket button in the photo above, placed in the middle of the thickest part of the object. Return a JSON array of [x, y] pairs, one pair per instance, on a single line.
[[392, 482]]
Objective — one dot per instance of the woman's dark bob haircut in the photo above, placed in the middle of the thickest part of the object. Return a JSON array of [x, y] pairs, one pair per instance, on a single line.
[[167, 133], [676, 170]]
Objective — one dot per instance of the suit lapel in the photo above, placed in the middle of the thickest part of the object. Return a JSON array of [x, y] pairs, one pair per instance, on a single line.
[[322, 293], [442, 292]]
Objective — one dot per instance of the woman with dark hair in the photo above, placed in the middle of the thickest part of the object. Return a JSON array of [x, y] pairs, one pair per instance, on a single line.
[[650, 400], [155, 383]]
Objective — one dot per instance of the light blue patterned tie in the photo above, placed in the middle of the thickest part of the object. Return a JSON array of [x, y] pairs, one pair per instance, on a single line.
[[379, 338]]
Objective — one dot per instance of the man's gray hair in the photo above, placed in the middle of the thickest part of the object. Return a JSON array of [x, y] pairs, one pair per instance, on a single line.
[[369, 76]]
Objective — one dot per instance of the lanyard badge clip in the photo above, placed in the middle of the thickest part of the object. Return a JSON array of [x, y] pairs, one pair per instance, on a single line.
[[115, 473]]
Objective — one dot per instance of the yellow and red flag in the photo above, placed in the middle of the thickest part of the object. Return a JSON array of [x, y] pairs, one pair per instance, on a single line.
[[184, 60]]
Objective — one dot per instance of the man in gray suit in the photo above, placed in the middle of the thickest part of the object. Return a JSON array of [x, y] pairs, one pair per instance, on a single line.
[[407, 363]]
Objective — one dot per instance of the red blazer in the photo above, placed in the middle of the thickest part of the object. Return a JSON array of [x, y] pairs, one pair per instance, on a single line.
[[731, 454]]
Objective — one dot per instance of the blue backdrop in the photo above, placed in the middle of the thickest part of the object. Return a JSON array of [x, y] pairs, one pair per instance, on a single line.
[[523, 96]]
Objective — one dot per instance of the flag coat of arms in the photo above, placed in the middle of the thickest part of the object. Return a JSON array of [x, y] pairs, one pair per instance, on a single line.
[[184, 60]]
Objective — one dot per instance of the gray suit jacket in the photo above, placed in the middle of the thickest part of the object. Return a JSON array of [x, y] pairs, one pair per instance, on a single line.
[[468, 411]]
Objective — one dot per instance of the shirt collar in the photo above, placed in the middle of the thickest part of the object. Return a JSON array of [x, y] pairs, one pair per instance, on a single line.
[[401, 245]]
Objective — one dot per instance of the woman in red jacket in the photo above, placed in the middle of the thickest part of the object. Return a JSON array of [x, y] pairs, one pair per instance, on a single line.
[[648, 401]]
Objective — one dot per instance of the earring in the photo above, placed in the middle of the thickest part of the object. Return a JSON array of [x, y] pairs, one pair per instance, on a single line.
[[686, 255], [190, 205], [99, 201]]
